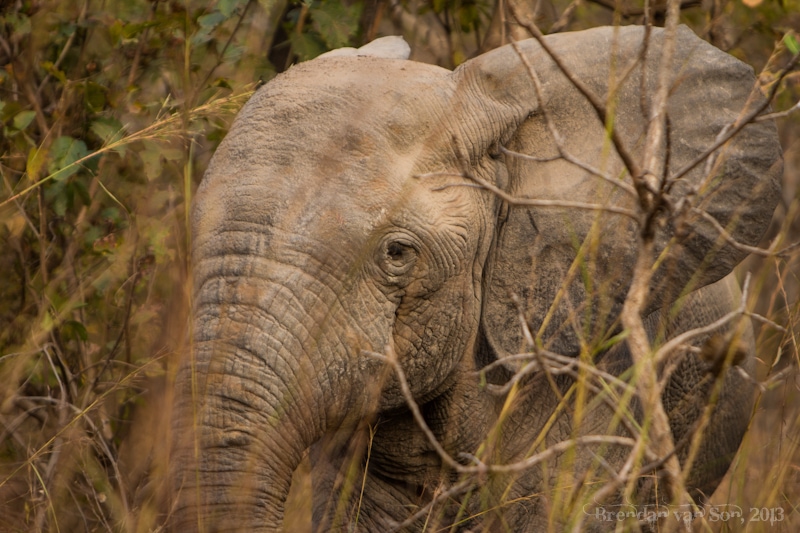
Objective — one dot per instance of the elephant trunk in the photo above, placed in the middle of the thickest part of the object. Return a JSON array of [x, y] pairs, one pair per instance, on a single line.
[[250, 401]]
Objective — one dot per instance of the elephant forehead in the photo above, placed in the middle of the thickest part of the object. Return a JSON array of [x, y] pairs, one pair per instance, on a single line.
[[335, 143], [349, 103], [337, 203]]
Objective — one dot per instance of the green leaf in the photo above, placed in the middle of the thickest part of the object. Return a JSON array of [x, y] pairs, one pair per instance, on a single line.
[[117, 32], [306, 46], [335, 22], [51, 69], [9, 109], [172, 154], [47, 322], [151, 159], [23, 119], [64, 152], [80, 189], [72, 329], [36, 159], [791, 43], [20, 24], [233, 54], [110, 130], [222, 83], [201, 36], [211, 20], [227, 7], [95, 96], [131, 30]]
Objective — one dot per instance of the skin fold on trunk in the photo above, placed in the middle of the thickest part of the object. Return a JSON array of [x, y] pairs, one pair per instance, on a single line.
[[251, 402]]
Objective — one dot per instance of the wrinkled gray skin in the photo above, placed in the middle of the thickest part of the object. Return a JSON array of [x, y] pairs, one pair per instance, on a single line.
[[315, 243]]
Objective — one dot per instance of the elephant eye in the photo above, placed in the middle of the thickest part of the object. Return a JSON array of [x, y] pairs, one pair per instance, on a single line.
[[395, 251], [397, 257]]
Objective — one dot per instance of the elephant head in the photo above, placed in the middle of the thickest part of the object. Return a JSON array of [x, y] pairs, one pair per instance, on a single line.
[[342, 216]]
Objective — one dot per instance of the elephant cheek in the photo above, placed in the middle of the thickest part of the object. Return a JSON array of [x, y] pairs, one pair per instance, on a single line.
[[433, 340]]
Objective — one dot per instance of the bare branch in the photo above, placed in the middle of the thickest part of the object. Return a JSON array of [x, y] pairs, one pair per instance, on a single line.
[[65, 49], [770, 252], [530, 157], [513, 200], [565, 17], [391, 359], [456, 490], [567, 156], [558, 448], [597, 104], [729, 238], [665, 350], [659, 435], [739, 125], [481, 467], [779, 114]]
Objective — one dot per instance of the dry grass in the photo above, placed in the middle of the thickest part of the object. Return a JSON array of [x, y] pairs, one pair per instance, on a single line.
[[94, 294]]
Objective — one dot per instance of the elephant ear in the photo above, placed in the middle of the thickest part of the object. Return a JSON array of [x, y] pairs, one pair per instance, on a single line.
[[569, 268], [390, 47]]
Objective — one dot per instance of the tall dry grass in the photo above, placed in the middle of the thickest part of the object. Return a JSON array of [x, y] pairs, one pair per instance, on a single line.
[[110, 112]]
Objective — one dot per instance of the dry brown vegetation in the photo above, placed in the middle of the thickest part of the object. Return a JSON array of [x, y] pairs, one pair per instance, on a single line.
[[110, 111]]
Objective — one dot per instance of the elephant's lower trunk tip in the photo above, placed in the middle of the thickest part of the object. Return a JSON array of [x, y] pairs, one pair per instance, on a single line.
[[239, 433]]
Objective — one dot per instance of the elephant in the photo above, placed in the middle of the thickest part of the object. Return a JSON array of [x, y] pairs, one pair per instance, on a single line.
[[411, 275]]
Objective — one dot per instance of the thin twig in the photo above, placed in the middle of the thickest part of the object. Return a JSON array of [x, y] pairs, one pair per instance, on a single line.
[[665, 350], [596, 103], [64, 50], [778, 114], [513, 200], [221, 55], [563, 21], [567, 156], [556, 449], [554, 133], [629, 12], [483, 468], [738, 126], [456, 490], [391, 359], [770, 252]]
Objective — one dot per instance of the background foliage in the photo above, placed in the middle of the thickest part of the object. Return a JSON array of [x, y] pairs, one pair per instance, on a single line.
[[110, 110]]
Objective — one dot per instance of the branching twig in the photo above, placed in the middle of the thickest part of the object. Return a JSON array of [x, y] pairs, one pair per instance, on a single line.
[[66, 48], [741, 122], [456, 490], [769, 252], [221, 55], [668, 347], [567, 156], [564, 19], [597, 104], [513, 200], [778, 114], [657, 428], [483, 468], [391, 359]]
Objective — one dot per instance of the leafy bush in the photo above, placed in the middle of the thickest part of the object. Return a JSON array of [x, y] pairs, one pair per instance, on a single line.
[[110, 112]]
